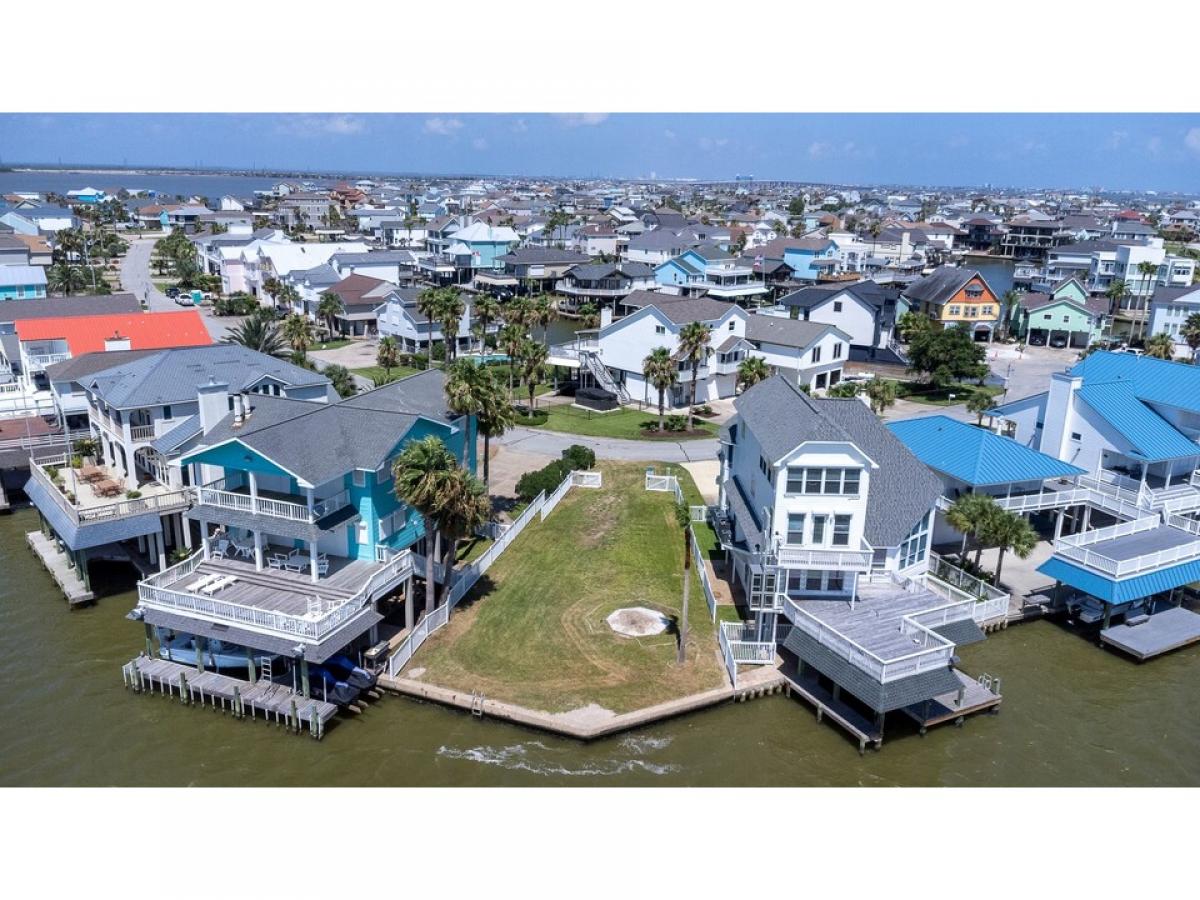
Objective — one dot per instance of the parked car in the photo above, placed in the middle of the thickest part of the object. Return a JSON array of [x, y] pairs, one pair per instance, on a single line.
[[1037, 340], [1058, 341], [172, 292]]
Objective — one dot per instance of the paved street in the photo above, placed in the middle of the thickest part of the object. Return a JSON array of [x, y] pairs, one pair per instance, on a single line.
[[135, 278], [552, 443]]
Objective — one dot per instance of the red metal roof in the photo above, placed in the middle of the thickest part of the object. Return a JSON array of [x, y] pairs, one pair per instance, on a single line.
[[144, 331]]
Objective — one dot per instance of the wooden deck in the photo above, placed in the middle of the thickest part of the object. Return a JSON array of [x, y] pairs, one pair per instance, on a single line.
[[954, 706], [58, 564], [807, 687], [271, 701], [874, 620], [282, 591], [1154, 635]]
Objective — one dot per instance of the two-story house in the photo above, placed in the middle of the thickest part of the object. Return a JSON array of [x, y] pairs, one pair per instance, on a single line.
[[398, 316], [954, 296], [711, 271], [529, 269], [865, 310], [602, 284]]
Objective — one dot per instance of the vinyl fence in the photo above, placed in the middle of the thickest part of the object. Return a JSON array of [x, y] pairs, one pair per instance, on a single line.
[[666, 483], [709, 597], [464, 579]]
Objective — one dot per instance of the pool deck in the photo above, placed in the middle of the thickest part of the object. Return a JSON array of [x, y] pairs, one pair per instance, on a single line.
[[1156, 634]]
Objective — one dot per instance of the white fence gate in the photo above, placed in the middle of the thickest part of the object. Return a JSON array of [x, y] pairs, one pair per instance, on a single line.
[[464, 579], [665, 483]]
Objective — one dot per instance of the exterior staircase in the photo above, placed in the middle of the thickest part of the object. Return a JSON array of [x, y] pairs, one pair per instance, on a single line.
[[590, 361]]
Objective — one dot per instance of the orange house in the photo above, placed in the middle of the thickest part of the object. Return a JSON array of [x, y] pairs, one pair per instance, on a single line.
[[955, 296]]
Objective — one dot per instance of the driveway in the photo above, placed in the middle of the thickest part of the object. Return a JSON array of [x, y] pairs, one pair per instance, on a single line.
[[552, 443], [135, 278]]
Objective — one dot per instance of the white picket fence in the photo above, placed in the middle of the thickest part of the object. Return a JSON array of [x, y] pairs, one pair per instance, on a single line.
[[464, 579], [709, 597], [665, 483]]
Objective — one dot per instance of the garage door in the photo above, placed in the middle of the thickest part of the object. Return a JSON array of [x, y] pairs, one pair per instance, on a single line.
[[1079, 339]]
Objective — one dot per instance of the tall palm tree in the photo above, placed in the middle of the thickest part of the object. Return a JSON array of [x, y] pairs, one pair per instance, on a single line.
[[258, 332], [466, 507], [1010, 531], [429, 304], [450, 313], [694, 349], [298, 332], [388, 355], [533, 366], [1149, 272], [329, 307], [510, 339], [881, 394], [969, 514], [64, 278], [661, 372], [422, 473], [1161, 346], [469, 387], [484, 311], [541, 314], [271, 288], [494, 418], [752, 370], [1191, 332]]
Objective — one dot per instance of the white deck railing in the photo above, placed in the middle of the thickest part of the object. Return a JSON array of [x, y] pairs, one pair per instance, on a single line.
[[216, 493], [1079, 548], [160, 592], [141, 432], [82, 515], [744, 645], [824, 558], [727, 656]]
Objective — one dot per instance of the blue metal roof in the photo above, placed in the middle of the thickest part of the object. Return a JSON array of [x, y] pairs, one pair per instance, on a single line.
[[1153, 380], [1125, 589], [975, 455], [1151, 436]]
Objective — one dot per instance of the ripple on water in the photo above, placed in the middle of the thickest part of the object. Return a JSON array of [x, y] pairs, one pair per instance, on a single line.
[[540, 759]]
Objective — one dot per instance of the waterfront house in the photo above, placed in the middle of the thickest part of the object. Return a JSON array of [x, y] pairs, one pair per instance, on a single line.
[[826, 520], [399, 317], [1170, 308], [1068, 314], [40, 220], [809, 257], [529, 269], [953, 297], [309, 535], [711, 271], [602, 284]]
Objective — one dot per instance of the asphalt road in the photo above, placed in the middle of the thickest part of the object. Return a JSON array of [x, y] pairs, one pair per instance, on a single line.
[[552, 443], [135, 278]]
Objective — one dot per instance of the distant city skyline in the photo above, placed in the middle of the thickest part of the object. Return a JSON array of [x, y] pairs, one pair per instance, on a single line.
[[1159, 152]]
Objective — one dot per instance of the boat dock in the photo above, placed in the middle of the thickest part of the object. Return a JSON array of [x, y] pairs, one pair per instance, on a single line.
[[803, 682], [974, 696], [1147, 636], [272, 701], [62, 568]]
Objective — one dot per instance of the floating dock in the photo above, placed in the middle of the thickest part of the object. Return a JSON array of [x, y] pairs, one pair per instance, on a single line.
[[272, 701], [1148, 636]]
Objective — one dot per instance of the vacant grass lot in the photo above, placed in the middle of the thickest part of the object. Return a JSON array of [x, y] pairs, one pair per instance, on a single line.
[[372, 372], [620, 423], [534, 633], [923, 393]]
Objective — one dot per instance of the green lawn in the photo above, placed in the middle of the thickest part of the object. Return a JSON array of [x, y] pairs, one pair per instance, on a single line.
[[923, 393], [533, 631], [372, 372], [336, 344], [620, 423]]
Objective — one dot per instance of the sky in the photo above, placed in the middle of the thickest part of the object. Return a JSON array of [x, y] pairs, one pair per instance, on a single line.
[[1110, 151]]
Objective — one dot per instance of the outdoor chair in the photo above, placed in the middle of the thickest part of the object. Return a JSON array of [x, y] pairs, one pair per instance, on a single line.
[[220, 550]]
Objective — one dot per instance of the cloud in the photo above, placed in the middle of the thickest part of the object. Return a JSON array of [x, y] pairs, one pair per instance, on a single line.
[[819, 149], [574, 120], [708, 143], [1116, 139], [313, 126], [444, 127], [1191, 140], [669, 134], [1154, 145], [958, 141], [479, 143]]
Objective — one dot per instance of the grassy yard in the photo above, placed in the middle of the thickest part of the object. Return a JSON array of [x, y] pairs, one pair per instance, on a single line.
[[335, 344], [372, 372], [620, 423], [533, 632], [923, 393]]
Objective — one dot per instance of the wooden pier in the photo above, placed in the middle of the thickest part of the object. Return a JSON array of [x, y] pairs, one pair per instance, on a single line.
[[64, 570], [972, 697], [1147, 636], [829, 705], [269, 700]]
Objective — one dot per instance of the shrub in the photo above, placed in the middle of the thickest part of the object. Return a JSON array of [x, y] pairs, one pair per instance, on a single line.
[[675, 423], [86, 447], [704, 410], [545, 479], [537, 417], [132, 495], [76, 461], [52, 471], [179, 554], [579, 458]]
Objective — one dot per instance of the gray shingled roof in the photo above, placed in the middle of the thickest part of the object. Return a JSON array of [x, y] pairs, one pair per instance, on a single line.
[[682, 310], [422, 394], [787, 332], [902, 489], [940, 285], [961, 633], [100, 305], [172, 376]]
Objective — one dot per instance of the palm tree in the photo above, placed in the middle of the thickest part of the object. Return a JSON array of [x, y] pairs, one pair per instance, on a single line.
[[694, 349], [1007, 304], [298, 332], [329, 307], [450, 313], [969, 514], [64, 278], [881, 394], [388, 355], [1149, 272], [1191, 332], [258, 332], [541, 313], [662, 373], [469, 387], [466, 507], [422, 473], [752, 370], [1161, 346], [1010, 531], [429, 304], [271, 287], [1117, 292], [341, 379], [533, 366], [484, 311], [494, 418], [979, 403], [287, 297], [510, 338]]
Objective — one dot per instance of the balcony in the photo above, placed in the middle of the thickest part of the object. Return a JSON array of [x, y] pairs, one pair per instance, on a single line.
[[1131, 548], [823, 558], [82, 502], [277, 603], [233, 493], [37, 362], [142, 432]]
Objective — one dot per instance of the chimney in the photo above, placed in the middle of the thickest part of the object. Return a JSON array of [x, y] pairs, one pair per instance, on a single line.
[[605, 316], [116, 342], [213, 399], [239, 410], [247, 409]]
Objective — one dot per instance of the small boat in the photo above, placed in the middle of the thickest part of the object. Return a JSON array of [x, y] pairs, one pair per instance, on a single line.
[[181, 648], [325, 685], [352, 674]]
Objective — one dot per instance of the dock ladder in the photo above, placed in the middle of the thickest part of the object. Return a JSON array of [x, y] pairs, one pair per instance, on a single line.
[[477, 704], [264, 666], [990, 682]]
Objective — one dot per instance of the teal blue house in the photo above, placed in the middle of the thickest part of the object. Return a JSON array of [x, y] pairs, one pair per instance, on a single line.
[[22, 282], [279, 475], [1066, 317], [808, 256]]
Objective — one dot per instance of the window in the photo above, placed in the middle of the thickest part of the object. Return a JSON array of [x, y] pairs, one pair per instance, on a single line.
[[972, 311], [818, 533], [955, 310], [167, 412], [660, 329], [813, 581], [835, 582], [837, 305], [1076, 436], [795, 481], [795, 528], [816, 354], [812, 481], [731, 325], [850, 481], [764, 466], [912, 550], [360, 478], [1047, 316], [833, 481], [988, 310], [837, 350], [841, 531]]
